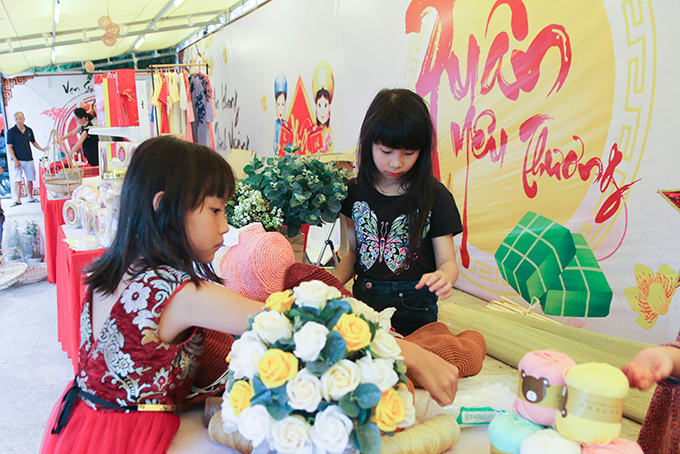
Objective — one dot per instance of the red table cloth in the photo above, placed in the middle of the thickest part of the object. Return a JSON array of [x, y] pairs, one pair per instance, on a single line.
[[70, 293]]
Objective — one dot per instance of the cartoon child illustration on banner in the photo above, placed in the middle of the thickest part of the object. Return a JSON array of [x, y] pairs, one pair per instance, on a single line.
[[280, 95], [323, 84]]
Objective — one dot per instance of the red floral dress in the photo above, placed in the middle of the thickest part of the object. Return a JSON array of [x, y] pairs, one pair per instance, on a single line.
[[128, 365], [660, 432]]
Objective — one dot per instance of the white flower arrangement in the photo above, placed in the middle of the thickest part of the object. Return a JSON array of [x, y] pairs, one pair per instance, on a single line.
[[315, 373], [249, 205]]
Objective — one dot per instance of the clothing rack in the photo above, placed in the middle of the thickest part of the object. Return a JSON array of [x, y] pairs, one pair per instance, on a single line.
[[158, 67], [180, 65]]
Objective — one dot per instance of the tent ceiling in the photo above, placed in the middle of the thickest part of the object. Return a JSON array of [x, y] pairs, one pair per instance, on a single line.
[[28, 35]]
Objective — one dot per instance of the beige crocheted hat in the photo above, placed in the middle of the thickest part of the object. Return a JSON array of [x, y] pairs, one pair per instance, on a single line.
[[256, 266]]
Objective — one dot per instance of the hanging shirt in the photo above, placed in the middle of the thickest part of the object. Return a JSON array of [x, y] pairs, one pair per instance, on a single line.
[[201, 97]]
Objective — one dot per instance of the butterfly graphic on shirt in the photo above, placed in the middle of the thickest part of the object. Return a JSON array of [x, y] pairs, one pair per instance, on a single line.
[[382, 241]]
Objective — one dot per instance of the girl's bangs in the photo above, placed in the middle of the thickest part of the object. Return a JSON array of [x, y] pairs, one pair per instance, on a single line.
[[395, 130], [215, 180]]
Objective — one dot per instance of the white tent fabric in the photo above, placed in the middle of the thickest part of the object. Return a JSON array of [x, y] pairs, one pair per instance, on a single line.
[[28, 33]]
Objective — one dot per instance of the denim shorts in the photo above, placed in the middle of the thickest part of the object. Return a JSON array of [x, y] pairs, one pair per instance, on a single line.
[[415, 308]]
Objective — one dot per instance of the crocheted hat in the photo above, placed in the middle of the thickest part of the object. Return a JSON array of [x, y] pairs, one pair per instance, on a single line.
[[256, 266]]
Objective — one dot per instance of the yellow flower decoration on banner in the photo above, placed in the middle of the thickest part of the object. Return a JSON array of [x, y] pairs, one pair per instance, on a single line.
[[354, 330], [653, 294], [280, 301], [389, 412], [240, 395], [277, 367]]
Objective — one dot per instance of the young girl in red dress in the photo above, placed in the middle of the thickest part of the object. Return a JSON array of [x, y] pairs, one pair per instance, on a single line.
[[151, 297], [149, 300]]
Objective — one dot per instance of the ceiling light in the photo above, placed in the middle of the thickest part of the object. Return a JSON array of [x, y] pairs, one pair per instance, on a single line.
[[56, 12], [52, 55], [140, 41], [178, 2]]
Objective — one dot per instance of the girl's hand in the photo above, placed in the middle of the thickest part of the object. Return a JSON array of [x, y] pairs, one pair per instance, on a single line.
[[437, 376], [437, 283], [650, 366]]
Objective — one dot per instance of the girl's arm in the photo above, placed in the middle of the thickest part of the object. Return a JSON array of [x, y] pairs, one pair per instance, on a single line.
[[437, 376], [209, 306], [345, 269], [441, 281], [653, 365]]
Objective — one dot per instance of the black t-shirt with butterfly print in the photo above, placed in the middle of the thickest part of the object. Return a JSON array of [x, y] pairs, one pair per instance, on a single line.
[[381, 230]]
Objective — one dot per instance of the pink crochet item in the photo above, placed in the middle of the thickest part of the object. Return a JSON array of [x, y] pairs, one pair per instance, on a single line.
[[256, 266]]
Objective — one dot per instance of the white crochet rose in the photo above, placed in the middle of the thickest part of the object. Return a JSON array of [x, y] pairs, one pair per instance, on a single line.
[[384, 345], [245, 353], [272, 326], [331, 430], [229, 419], [409, 407], [255, 424], [380, 372], [310, 340], [291, 435], [315, 294], [304, 391], [342, 378]]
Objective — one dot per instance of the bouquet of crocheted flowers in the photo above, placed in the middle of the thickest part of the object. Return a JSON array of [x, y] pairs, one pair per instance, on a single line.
[[316, 372]]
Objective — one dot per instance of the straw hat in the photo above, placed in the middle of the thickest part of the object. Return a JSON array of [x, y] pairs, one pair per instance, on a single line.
[[256, 266]]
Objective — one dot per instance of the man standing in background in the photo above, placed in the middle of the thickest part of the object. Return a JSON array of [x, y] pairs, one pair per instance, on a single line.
[[19, 138]]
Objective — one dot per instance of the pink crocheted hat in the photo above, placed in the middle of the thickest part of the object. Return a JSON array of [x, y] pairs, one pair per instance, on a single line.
[[256, 266]]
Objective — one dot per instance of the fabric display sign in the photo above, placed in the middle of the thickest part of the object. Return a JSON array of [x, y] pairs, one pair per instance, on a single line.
[[116, 97]]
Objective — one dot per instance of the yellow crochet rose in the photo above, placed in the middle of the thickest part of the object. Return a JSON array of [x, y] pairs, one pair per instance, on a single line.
[[240, 395], [354, 330], [389, 412], [277, 367], [280, 301]]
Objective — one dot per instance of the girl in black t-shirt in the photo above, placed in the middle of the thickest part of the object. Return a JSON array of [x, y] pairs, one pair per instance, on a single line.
[[89, 142], [400, 220]]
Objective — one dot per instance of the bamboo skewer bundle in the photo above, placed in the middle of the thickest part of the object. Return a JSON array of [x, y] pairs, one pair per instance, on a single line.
[[507, 305]]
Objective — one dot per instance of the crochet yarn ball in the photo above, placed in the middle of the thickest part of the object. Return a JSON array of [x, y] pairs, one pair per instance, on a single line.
[[507, 431], [618, 446], [594, 416], [256, 266], [548, 440], [539, 369]]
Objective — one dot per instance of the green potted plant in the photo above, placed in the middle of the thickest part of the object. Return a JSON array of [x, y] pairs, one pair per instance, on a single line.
[[306, 190]]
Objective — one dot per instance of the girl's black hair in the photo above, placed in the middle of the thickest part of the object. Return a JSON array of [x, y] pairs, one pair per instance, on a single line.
[[399, 118], [147, 238], [82, 113], [323, 92]]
